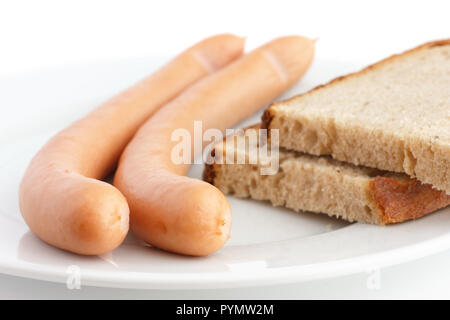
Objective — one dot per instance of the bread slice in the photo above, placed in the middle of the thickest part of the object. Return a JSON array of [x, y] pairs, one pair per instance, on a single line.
[[321, 184], [393, 115]]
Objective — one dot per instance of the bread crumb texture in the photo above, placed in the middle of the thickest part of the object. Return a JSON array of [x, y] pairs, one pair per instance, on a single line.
[[323, 185], [394, 115]]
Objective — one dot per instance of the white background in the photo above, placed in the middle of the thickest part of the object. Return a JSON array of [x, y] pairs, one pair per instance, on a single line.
[[38, 35]]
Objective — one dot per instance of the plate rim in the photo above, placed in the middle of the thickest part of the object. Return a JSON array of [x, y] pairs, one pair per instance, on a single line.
[[232, 279]]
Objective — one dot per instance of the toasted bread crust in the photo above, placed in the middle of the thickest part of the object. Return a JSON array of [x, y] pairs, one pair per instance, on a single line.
[[209, 173], [401, 200], [267, 118], [268, 114]]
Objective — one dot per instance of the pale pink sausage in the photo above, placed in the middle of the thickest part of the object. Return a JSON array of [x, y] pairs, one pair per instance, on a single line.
[[61, 199], [188, 216]]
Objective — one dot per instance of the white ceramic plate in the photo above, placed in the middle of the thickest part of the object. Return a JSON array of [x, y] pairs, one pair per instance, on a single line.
[[268, 245]]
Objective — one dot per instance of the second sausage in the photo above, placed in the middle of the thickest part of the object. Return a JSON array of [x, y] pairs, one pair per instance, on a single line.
[[188, 216]]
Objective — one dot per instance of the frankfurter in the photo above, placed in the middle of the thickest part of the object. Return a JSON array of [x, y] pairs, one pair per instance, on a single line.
[[60, 197], [188, 216]]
